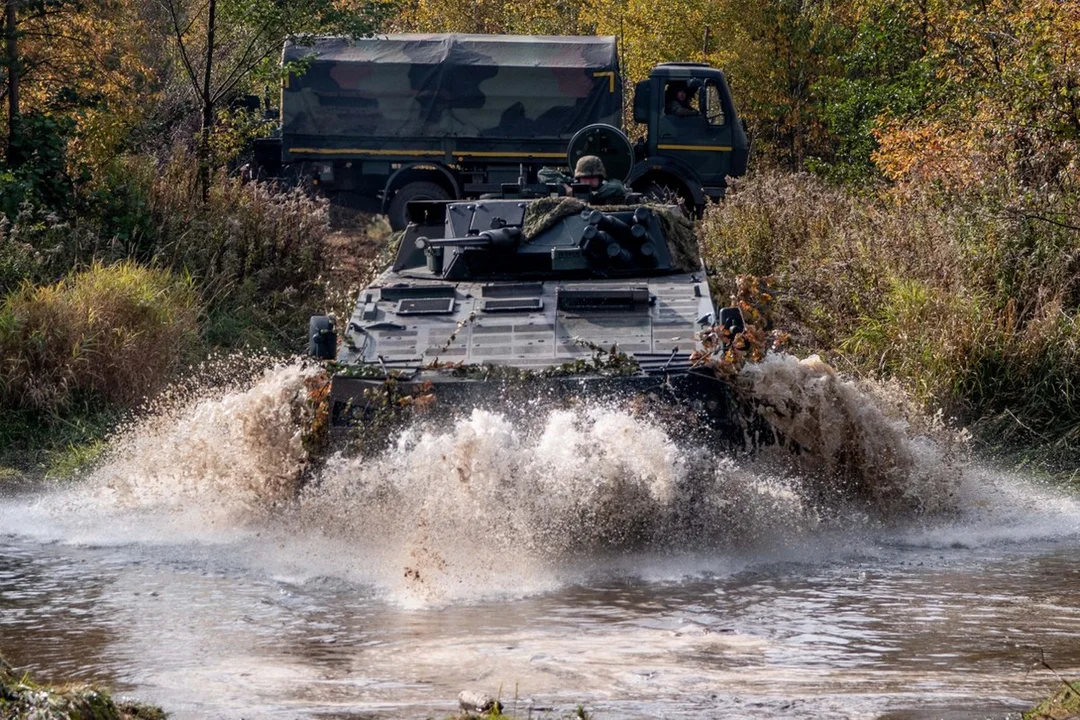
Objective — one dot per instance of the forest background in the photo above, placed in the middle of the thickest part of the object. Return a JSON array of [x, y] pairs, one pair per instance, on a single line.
[[914, 194]]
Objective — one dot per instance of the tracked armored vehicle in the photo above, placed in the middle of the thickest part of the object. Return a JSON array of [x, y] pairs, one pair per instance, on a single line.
[[533, 296]]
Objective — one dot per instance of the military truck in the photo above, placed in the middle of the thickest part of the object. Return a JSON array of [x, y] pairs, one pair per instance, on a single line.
[[398, 118]]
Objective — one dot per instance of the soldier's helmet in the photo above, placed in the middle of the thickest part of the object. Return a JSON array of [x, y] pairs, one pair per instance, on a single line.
[[590, 166]]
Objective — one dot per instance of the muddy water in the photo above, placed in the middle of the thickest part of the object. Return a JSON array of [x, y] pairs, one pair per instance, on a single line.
[[589, 559]]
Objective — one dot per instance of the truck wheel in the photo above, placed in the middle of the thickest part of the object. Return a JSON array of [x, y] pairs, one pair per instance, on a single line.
[[413, 191]]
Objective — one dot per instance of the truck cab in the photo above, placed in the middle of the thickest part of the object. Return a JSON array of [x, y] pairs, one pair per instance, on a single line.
[[694, 139]]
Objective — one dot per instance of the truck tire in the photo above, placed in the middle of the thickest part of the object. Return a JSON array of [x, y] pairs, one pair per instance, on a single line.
[[413, 191]]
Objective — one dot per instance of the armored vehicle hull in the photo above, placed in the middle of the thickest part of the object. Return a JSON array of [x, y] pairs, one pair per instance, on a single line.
[[514, 303]]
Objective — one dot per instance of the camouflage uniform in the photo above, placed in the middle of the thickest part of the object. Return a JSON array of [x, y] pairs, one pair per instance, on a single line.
[[610, 192], [679, 107]]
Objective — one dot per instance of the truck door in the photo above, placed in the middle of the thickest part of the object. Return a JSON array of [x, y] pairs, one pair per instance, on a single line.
[[695, 127]]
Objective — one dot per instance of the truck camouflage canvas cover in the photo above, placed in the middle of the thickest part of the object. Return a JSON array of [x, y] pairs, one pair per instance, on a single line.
[[397, 90]]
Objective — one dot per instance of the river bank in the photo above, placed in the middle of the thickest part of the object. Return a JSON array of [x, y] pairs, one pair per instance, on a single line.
[[1064, 704], [21, 697], [917, 289]]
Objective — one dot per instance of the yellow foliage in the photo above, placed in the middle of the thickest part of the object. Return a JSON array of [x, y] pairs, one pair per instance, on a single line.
[[544, 17], [652, 33], [925, 151], [647, 36], [1004, 75], [1012, 71], [102, 52]]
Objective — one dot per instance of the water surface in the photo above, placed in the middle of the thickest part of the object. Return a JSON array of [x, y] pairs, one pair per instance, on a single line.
[[588, 560]]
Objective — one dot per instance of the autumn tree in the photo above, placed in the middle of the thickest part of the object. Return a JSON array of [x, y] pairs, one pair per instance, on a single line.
[[1008, 97], [223, 44], [542, 17]]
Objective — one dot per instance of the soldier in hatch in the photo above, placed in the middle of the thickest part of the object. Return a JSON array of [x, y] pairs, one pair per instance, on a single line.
[[590, 171]]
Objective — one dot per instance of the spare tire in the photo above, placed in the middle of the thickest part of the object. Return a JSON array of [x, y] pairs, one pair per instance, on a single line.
[[606, 142], [399, 218]]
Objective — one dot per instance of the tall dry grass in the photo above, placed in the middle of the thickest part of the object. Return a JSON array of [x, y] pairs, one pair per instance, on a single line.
[[102, 305], [108, 335], [256, 252], [971, 299]]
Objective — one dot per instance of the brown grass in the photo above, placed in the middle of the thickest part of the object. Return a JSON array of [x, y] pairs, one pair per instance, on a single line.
[[113, 333], [971, 300], [256, 253]]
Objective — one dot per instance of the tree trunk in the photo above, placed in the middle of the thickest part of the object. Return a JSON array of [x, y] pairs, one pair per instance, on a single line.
[[11, 30], [207, 105]]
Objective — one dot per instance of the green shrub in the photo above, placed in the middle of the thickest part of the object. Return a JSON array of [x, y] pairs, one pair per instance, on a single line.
[[110, 333], [36, 168], [834, 253], [256, 252], [925, 336]]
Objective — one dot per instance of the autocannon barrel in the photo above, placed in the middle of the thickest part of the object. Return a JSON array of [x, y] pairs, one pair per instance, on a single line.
[[506, 237]]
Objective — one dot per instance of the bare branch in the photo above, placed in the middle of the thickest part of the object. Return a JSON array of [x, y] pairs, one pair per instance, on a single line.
[[225, 89], [183, 50], [1042, 218], [243, 65], [195, 16], [1042, 660]]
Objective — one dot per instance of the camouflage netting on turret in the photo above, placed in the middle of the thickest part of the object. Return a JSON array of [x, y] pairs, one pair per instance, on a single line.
[[546, 212], [678, 230], [681, 238]]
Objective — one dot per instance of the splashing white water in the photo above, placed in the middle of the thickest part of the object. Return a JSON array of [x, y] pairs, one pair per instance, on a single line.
[[846, 443], [231, 454], [486, 504], [481, 506]]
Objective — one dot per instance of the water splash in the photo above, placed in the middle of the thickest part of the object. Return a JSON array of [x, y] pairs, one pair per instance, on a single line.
[[843, 440], [481, 506], [229, 454], [488, 504]]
